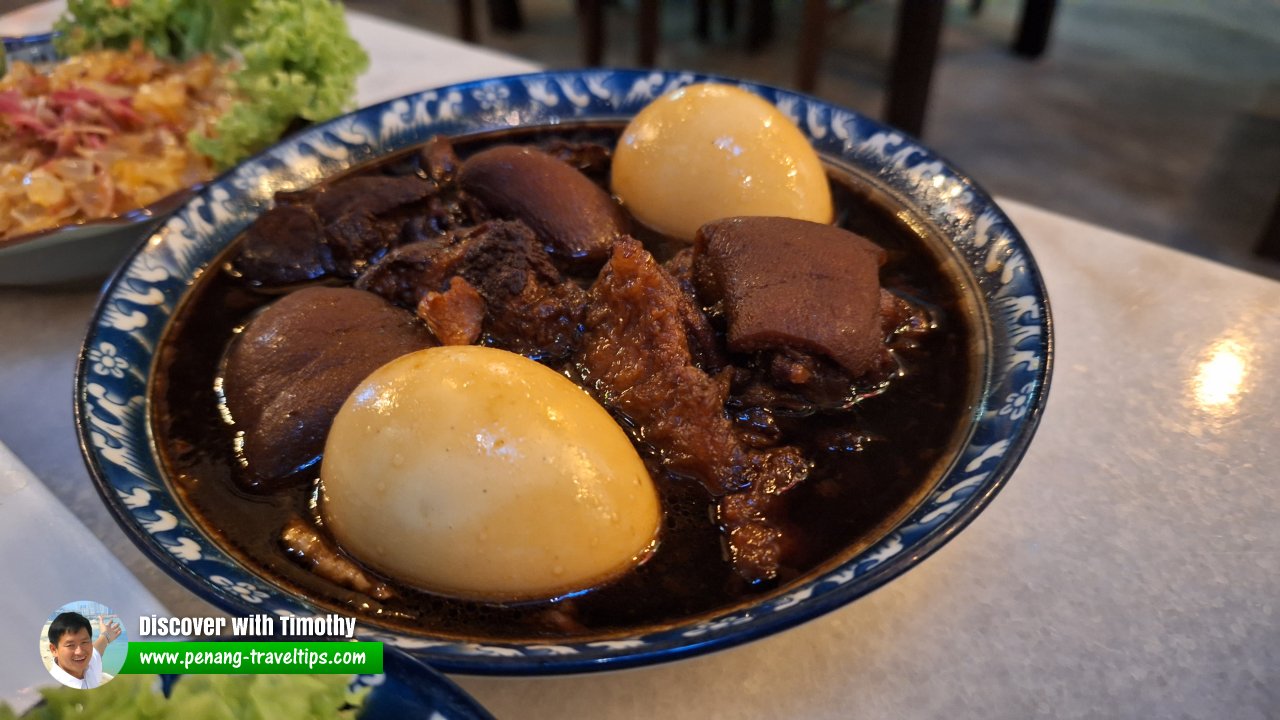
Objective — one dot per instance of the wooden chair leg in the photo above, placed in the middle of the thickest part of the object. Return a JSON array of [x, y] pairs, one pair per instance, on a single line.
[[1269, 242], [812, 41], [759, 24], [729, 10], [592, 18], [702, 20], [467, 21], [506, 15], [919, 27], [1033, 28], [647, 27]]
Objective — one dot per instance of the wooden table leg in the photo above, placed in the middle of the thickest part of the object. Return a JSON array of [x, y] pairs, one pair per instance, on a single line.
[[1033, 28], [915, 51], [647, 28], [592, 19], [812, 41]]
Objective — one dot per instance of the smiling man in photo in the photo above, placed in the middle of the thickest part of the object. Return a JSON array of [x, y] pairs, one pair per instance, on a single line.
[[77, 659]]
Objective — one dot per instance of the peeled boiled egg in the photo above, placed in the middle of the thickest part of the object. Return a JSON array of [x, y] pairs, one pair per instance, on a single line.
[[710, 151], [478, 473]]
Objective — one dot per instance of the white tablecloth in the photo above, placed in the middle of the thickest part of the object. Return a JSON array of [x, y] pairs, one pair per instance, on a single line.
[[1130, 569]]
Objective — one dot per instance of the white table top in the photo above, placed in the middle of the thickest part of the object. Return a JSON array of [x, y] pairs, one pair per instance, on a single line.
[[1131, 568]]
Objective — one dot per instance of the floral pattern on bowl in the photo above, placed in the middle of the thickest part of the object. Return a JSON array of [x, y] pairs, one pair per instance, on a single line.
[[112, 374]]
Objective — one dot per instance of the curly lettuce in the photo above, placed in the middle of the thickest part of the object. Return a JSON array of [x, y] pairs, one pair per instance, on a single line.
[[295, 60]]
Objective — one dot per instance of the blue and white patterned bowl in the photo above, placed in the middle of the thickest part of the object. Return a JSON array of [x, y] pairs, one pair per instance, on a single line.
[[112, 376]]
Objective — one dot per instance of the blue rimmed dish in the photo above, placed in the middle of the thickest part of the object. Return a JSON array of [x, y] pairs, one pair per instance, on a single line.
[[38, 49], [82, 251], [980, 242]]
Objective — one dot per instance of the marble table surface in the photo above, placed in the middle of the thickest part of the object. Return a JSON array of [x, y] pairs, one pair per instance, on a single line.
[[1131, 567]]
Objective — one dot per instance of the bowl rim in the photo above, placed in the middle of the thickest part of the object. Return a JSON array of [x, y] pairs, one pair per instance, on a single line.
[[730, 628], [41, 38]]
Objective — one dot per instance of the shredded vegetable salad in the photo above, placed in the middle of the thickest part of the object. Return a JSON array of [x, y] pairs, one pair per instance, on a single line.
[[158, 95], [297, 59], [102, 133]]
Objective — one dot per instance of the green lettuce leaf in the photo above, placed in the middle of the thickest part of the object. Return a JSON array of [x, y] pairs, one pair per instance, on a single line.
[[202, 697], [297, 59]]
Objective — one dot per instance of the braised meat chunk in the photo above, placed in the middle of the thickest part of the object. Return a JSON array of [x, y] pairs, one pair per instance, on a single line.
[[703, 342], [529, 306], [446, 208], [295, 363], [455, 316], [590, 158], [339, 230], [403, 275], [777, 278], [369, 195], [753, 536], [365, 216], [636, 358], [439, 161], [573, 217], [285, 246]]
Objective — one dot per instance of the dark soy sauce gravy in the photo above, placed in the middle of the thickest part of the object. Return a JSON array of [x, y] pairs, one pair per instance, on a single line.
[[872, 464]]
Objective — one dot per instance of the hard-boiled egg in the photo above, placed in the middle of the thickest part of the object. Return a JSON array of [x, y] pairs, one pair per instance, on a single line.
[[478, 473], [711, 151]]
